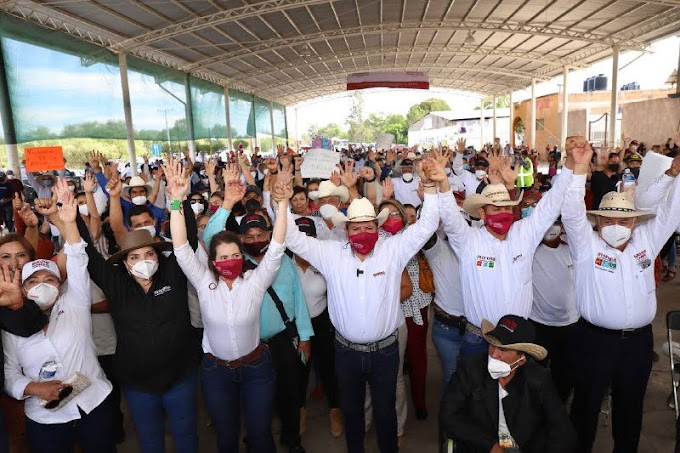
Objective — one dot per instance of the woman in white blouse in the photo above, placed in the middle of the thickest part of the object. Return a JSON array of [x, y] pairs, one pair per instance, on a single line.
[[40, 368], [237, 372]]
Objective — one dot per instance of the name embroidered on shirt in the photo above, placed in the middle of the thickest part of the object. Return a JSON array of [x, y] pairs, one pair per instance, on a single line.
[[516, 258], [605, 262], [161, 291], [377, 274], [486, 261]]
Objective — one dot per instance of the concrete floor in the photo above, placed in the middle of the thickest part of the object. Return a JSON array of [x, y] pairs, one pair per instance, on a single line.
[[658, 431]]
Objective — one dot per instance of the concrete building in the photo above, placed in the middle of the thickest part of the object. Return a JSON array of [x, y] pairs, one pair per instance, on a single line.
[[445, 127]]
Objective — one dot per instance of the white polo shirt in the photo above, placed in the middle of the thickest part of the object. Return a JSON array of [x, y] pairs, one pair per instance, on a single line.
[[68, 342], [363, 296], [314, 287], [496, 275], [553, 282], [443, 262], [614, 289]]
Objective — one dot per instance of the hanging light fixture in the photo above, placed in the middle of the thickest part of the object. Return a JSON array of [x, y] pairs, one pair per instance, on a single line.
[[470, 38]]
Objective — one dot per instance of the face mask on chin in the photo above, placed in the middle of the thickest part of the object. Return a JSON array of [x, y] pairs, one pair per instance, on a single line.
[[615, 235], [498, 368]]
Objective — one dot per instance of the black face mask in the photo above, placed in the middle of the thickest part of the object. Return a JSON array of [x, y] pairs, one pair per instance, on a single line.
[[613, 167], [252, 205], [635, 172]]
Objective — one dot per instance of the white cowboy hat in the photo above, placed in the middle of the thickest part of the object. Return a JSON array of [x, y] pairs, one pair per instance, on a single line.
[[360, 210], [494, 194], [619, 205], [328, 189], [137, 181]]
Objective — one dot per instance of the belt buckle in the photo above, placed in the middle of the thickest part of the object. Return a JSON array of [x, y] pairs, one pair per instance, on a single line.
[[625, 333]]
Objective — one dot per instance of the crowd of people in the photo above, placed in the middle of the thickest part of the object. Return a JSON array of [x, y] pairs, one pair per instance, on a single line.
[[244, 278]]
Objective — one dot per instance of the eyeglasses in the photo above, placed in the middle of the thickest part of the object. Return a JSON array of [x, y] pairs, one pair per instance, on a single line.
[[63, 394]]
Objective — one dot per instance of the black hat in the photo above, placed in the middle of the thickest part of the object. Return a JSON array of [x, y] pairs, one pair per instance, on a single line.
[[306, 225], [515, 333], [481, 162], [254, 189], [253, 221], [407, 163]]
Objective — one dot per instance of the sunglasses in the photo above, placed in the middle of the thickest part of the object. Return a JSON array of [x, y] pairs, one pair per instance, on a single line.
[[196, 201], [63, 394]]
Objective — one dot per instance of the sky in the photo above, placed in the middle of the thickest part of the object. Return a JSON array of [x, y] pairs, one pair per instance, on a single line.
[[650, 70]]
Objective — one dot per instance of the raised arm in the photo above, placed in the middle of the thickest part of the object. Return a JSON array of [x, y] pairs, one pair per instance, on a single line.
[[234, 192], [114, 187], [210, 171], [156, 185], [579, 231], [95, 226], [176, 189], [667, 217]]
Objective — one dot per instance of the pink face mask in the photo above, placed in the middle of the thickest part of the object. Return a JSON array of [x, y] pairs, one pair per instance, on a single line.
[[214, 208], [393, 224], [500, 223], [229, 269], [363, 243]]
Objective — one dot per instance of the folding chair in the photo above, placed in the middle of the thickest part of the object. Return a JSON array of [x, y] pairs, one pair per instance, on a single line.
[[673, 323]]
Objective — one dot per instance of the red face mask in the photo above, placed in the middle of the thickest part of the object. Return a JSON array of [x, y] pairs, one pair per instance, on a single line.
[[214, 208], [393, 224], [229, 269], [501, 222], [363, 243]]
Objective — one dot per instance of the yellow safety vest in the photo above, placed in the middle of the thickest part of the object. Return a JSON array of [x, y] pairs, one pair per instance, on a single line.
[[525, 176]]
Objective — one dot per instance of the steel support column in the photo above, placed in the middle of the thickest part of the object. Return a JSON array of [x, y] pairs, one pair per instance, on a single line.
[[191, 143], [271, 122], [565, 108], [511, 135], [226, 101], [481, 124], [532, 126], [494, 117], [613, 107], [8, 126], [127, 109]]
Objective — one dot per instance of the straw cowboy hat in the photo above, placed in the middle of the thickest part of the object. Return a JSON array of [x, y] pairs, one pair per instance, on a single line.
[[494, 194], [136, 239], [360, 210], [137, 181], [41, 176], [515, 333], [328, 189], [619, 205]]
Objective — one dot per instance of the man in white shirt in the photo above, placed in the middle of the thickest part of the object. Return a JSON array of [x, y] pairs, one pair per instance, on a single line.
[[406, 185], [616, 297], [496, 259], [363, 278], [470, 180]]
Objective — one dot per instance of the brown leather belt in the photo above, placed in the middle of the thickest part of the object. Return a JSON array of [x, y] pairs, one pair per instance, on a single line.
[[241, 361]]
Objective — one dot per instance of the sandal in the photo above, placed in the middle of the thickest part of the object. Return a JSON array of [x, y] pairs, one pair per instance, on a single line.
[[670, 275]]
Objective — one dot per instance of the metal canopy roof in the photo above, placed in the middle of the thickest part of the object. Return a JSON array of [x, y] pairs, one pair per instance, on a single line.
[[293, 50]]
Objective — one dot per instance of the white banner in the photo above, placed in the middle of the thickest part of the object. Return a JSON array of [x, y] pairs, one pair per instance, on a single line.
[[653, 166], [384, 141], [319, 163]]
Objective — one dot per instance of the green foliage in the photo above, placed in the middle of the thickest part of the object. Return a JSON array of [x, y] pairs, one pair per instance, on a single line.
[[502, 102], [355, 119], [417, 111], [241, 141], [331, 130]]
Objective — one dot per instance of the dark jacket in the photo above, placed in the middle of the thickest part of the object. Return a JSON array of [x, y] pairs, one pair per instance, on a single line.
[[533, 410]]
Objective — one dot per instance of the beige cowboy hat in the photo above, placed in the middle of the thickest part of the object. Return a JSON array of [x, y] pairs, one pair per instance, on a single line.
[[515, 333], [45, 175], [328, 189], [137, 181], [619, 205], [136, 239], [360, 210], [494, 194]]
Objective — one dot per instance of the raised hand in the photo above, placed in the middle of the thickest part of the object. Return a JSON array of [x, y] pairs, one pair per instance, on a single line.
[[68, 211], [94, 160], [177, 180], [675, 167], [280, 150], [17, 202], [284, 159], [10, 286], [271, 165], [460, 145], [115, 186], [507, 173], [347, 176], [434, 170], [62, 191], [231, 174], [441, 155], [285, 178], [210, 166], [298, 162], [390, 157], [89, 182], [28, 216], [582, 154], [335, 178], [233, 193], [244, 163], [387, 189], [102, 158], [45, 206]]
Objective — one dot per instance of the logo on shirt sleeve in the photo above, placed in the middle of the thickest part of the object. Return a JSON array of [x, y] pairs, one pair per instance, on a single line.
[[486, 261], [605, 263]]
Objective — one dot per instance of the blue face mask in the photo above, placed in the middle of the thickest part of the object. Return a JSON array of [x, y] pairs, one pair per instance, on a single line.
[[466, 166], [344, 211], [47, 183], [526, 212]]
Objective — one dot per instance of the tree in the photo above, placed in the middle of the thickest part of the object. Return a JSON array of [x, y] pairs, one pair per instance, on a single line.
[[331, 130], [355, 119], [418, 111], [502, 102]]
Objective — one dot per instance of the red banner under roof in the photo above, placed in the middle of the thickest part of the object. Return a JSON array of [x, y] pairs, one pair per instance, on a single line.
[[414, 80]]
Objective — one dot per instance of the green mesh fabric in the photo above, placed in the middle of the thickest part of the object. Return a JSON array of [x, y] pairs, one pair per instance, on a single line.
[[241, 114], [280, 121], [209, 111]]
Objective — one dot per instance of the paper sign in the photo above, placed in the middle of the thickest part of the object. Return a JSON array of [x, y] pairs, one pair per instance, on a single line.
[[653, 166], [384, 141], [319, 163], [44, 158]]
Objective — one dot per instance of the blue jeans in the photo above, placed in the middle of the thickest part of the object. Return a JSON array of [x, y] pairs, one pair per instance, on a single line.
[[179, 404], [448, 342], [94, 432], [250, 389], [354, 369], [473, 345]]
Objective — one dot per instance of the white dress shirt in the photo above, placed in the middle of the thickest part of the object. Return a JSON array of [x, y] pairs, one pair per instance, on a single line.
[[363, 296], [553, 281], [406, 192], [448, 294], [68, 342], [103, 330], [469, 179], [456, 182], [314, 287], [614, 289], [231, 317], [496, 274]]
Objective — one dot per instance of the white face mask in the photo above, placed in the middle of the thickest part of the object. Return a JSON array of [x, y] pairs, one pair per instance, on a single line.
[[327, 211], [43, 294], [447, 171], [615, 235], [10, 177], [151, 229], [72, 188], [553, 233], [480, 174], [144, 269], [407, 177], [139, 201], [314, 194], [197, 208], [83, 209], [498, 368]]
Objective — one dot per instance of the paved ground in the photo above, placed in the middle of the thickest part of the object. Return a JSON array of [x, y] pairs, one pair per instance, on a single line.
[[658, 432]]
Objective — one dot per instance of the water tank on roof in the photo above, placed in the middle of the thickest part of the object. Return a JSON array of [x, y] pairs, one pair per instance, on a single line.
[[600, 83], [585, 85], [634, 86], [591, 84]]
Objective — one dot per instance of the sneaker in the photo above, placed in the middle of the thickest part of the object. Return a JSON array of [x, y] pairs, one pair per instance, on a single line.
[[336, 422], [303, 420]]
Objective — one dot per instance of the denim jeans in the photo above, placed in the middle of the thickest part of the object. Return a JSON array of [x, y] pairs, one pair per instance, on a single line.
[[354, 369], [94, 432], [178, 404], [473, 345], [229, 391], [448, 342]]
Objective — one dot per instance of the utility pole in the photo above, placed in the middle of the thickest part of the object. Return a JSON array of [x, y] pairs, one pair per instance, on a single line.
[[167, 129]]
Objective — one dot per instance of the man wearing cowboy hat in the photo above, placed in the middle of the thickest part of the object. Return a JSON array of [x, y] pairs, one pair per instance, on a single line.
[[496, 259], [363, 280], [505, 401], [616, 297], [329, 198], [42, 183]]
